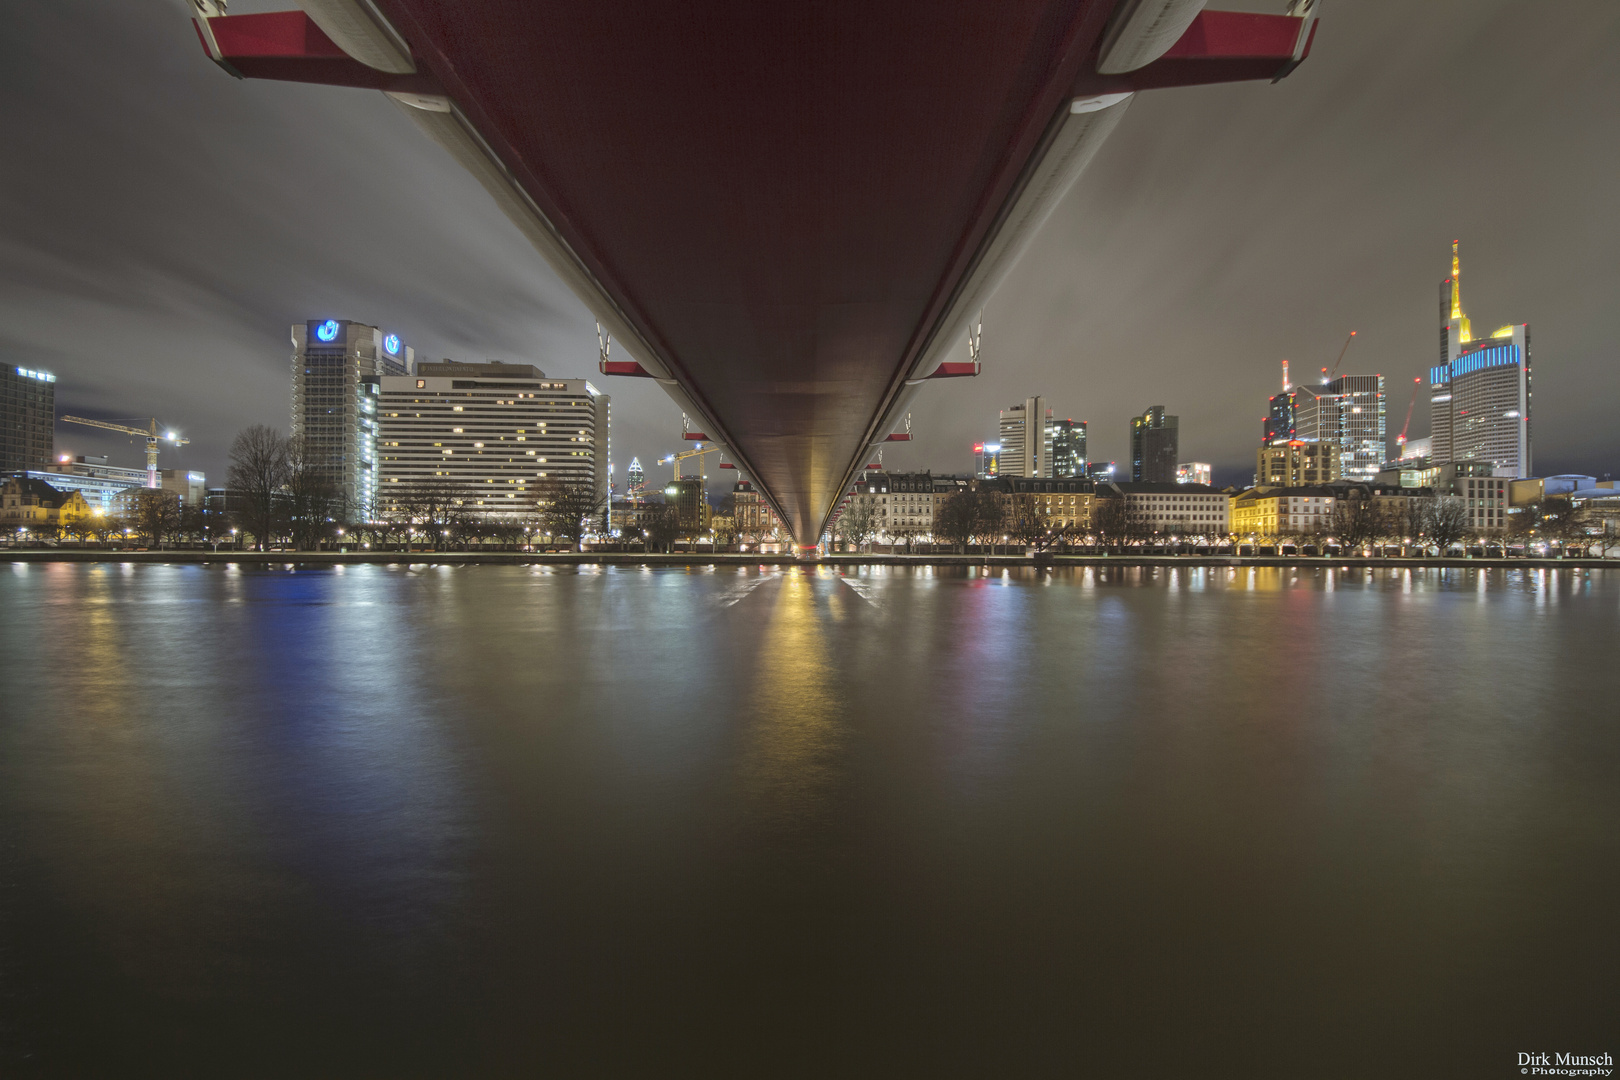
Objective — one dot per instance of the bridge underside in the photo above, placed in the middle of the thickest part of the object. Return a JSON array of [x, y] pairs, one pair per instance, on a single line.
[[784, 212]]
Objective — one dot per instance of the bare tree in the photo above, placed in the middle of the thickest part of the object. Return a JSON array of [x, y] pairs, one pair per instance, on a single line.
[[953, 518], [154, 515], [1354, 521], [1027, 521], [1555, 517], [1446, 522], [258, 471], [569, 508], [312, 501], [661, 524], [1110, 520], [858, 523]]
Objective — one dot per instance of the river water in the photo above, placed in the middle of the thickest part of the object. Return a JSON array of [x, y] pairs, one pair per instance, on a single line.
[[459, 821]]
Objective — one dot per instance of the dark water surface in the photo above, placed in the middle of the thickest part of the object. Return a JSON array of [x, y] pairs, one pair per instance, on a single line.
[[456, 821]]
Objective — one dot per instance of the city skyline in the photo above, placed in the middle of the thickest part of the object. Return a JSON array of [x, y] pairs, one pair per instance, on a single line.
[[1272, 280]]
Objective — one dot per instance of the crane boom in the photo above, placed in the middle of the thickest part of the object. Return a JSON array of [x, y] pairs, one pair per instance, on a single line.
[[1342, 351], [1400, 440], [149, 433]]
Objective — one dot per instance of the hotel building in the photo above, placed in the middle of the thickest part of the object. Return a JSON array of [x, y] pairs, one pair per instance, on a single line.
[[488, 435]]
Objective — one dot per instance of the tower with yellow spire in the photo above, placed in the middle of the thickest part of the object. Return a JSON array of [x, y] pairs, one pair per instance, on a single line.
[[1479, 394]]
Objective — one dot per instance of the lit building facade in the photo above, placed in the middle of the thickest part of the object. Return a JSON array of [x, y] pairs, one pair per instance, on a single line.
[[1283, 511], [637, 479], [686, 494], [902, 504], [27, 419], [337, 366], [1194, 472], [1155, 446], [1480, 392], [1349, 413], [1066, 501], [1296, 463], [1068, 442], [986, 460], [754, 517], [99, 482], [1172, 508], [34, 505], [1026, 439], [489, 435]]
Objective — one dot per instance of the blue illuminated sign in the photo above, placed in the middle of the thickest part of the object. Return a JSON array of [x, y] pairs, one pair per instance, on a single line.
[[327, 331], [391, 343]]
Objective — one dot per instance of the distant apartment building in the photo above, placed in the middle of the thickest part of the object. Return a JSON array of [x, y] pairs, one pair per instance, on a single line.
[[1167, 507], [1479, 393], [753, 515], [1026, 439], [1194, 472], [1155, 446], [27, 419], [1067, 500], [33, 505], [902, 504], [1296, 463], [1283, 511], [488, 435], [1486, 495], [337, 367]]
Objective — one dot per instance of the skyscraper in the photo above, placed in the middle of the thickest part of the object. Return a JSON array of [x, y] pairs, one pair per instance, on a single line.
[[1349, 413], [336, 368], [1023, 453], [1479, 393], [637, 479], [1068, 442], [1155, 446], [27, 419]]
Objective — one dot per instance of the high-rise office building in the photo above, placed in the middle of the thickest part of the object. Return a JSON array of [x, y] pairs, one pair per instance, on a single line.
[[27, 419], [1155, 446], [1349, 413], [1352, 413], [1194, 472], [986, 460], [1026, 439], [1068, 442], [637, 485], [336, 368], [1479, 393], [488, 436]]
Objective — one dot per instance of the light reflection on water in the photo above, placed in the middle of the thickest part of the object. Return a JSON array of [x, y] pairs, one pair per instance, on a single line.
[[450, 819]]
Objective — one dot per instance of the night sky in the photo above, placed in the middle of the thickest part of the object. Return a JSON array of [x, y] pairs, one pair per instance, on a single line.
[[164, 225]]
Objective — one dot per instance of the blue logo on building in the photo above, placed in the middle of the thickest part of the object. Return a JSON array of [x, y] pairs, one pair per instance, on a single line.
[[327, 330], [391, 343]]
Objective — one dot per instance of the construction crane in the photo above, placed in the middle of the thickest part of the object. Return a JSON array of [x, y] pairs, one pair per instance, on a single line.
[[697, 452], [1329, 378], [149, 433], [1400, 440]]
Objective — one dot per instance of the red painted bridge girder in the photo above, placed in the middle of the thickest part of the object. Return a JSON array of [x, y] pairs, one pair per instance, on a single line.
[[779, 209]]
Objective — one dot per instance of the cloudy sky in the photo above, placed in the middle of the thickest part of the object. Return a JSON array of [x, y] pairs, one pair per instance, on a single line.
[[162, 226]]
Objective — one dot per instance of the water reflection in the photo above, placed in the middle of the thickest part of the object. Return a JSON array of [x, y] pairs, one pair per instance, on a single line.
[[461, 820]]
